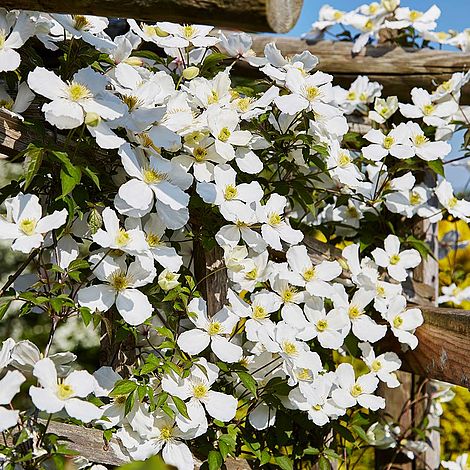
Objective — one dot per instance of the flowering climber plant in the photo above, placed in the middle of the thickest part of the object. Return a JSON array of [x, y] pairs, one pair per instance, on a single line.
[[156, 173]]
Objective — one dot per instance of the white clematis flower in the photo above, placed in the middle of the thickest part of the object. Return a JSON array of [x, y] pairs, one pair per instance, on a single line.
[[115, 237], [351, 391], [213, 331], [198, 388], [404, 322], [396, 143], [25, 223], [383, 366], [120, 288], [459, 208], [14, 32], [274, 228], [155, 181], [53, 395], [395, 261], [70, 102]]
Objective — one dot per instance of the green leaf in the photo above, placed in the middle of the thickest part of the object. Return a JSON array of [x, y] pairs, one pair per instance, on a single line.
[[437, 166], [181, 406], [123, 387], [69, 178], [33, 160], [86, 314], [130, 402], [5, 303], [360, 432], [284, 462], [248, 381], [324, 463], [92, 175], [214, 460]]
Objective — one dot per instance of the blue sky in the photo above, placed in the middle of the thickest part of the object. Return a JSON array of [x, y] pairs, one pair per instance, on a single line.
[[455, 15]]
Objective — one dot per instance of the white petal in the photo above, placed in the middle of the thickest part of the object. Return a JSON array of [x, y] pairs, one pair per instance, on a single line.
[[10, 386], [8, 418], [82, 410], [100, 297], [134, 306], [45, 400], [221, 406], [193, 341], [262, 417], [225, 350], [82, 383]]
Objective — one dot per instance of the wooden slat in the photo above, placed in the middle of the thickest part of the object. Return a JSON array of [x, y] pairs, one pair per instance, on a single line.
[[89, 443], [444, 348], [249, 15], [397, 69]]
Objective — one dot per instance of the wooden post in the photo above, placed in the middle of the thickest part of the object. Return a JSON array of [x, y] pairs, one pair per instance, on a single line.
[[277, 16]]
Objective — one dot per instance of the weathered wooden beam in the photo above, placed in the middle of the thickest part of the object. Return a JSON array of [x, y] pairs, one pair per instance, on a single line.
[[444, 348], [277, 16], [397, 69], [89, 443]]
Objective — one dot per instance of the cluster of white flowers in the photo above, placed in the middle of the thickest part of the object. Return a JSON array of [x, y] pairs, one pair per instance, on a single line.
[[372, 18], [194, 150]]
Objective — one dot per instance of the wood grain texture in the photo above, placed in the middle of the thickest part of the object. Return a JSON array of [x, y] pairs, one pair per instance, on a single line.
[[89, 443], [277, 16], [397, 69]]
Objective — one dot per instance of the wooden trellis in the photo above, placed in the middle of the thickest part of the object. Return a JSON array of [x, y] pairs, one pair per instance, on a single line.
[[444, 346]]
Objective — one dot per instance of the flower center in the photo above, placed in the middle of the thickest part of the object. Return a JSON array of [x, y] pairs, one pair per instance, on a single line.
[[213, 97], [194, 138], [130, 101], [322, 325], [189, 31], [309, 274], [363, 97], [428, 109], [397, 321], [224, 134], [214, 328], [2, 38], [420, 139], [288, 294], [356, 390], [354, 311], [369, 25], [338, 15], [149, 30], [394, 259], [415, 198], [27, 226], [244, 104], [200, 154], [304, 374], [312, 92], [388, 141], [380, 291], [230, 192], [152, 176], [452, 202], [316, 407], [344, 160], [120, 399], [383, 111], [289, 348], [153, 239], [166, 433], [252, 275], [274, 219], [80, 22], [376, 365], [78, 92], [414, 15], [122, 238], [64, 391], [259, 312], [200, 391], [118, 281], [352, 95]]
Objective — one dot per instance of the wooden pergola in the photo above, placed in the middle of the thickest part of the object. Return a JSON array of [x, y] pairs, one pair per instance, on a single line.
[[444, 347]]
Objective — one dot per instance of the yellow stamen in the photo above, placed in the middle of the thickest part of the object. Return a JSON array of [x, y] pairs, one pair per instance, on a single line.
[[28, 226]]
